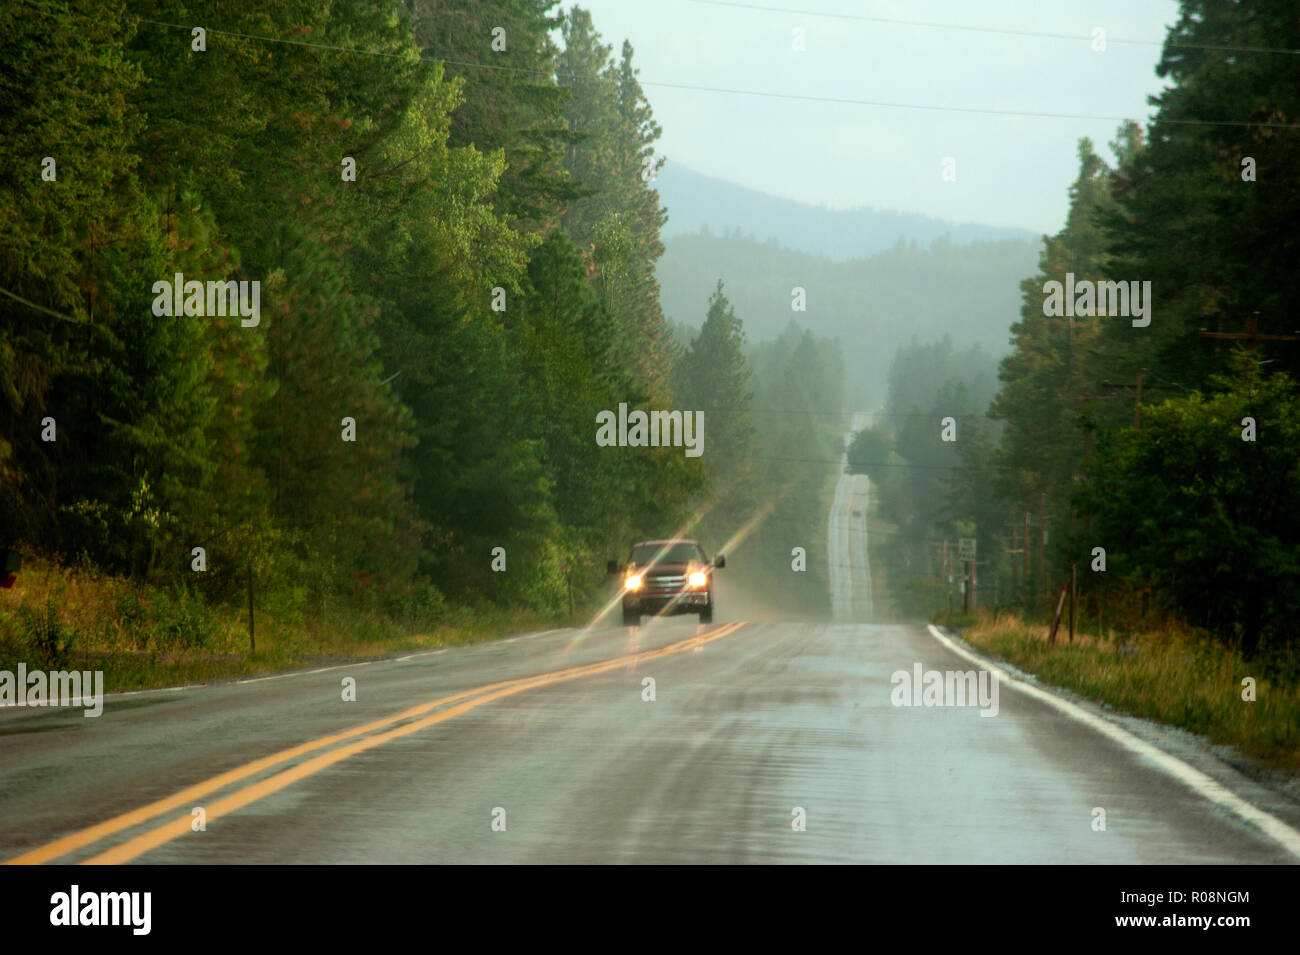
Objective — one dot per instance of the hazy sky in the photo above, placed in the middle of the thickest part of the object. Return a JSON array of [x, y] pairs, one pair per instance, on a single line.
[[1011, 170]]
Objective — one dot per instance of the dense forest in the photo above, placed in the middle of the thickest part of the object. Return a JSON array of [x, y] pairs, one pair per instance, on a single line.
[[453, 227], [1158, 458]]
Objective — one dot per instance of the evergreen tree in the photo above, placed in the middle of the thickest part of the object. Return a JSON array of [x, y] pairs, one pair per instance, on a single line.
[[511, 102], [713, 377]]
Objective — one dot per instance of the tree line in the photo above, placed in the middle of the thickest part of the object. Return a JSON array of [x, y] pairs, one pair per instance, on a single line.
[[1170, 446], [454, 229]]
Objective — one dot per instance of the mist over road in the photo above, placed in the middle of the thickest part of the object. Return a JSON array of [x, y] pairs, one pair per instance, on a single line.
[[850, 569]]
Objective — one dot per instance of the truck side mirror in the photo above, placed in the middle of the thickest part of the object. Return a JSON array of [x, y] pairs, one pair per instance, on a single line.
[[613, 568], [720, 561]]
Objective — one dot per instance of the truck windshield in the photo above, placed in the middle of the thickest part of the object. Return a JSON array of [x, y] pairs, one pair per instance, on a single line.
[[665, 554]]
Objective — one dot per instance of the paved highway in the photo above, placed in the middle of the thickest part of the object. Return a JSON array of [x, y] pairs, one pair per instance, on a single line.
[[742, 741], [750, 723]]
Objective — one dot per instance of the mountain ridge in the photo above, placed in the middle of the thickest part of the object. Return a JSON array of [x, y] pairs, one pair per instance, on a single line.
[[700, 204]]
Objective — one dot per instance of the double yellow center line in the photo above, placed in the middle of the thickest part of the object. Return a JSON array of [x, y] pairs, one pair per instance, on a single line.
[[464, 702]]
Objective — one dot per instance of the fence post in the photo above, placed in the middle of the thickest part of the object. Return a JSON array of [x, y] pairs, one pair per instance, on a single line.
[[252, 633], [1073, 595], [1056, 620]]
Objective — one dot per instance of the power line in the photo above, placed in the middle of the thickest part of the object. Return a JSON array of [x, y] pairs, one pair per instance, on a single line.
[[801, 97], [42, 308], [984, 111], [1033, 34]]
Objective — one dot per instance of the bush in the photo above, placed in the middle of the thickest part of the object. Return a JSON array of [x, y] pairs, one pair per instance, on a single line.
[[181, 620], [44, 637]]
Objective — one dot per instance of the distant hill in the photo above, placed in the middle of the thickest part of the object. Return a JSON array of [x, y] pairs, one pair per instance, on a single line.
[[696, 202], [872, 305]]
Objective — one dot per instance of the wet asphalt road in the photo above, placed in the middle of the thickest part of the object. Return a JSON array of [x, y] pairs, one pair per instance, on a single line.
[[743, 730]]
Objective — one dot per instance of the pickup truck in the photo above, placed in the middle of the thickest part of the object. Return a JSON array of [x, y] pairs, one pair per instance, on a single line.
[[666, 577]]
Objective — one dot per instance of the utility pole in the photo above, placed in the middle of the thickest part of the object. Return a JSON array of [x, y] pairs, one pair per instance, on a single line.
[[947, 577], [1249, 336], [1042, 538], [1010, 549], [1137, 387], [1087, 457], [1015, 567], [966, 588], [1025, 562]]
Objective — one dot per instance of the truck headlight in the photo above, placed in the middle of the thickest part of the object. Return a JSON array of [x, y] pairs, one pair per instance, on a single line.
[[699, 580], [633, 582]]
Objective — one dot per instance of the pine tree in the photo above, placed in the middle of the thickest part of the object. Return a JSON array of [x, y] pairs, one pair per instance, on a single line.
[[713, 377], [511, 102]]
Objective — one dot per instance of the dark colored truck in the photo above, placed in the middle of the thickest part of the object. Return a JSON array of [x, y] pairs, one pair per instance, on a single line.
[[666, 577]]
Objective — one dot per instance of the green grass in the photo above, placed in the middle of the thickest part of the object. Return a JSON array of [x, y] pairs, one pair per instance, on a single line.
[[56, 618], [956, 618], [1168, 675]]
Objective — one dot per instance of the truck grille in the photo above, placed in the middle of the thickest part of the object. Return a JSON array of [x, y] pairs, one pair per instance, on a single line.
[[665, 582]]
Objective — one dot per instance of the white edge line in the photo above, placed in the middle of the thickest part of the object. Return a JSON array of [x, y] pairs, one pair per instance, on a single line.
[[109, 696], [542, 633], [159, 689], [1191, 777], [285, 676], [422, 653]]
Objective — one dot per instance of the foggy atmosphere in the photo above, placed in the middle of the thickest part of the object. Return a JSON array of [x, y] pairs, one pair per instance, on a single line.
[[650, 432]]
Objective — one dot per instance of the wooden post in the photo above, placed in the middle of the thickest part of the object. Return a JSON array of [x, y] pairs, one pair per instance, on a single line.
[[1073, 594], [1056, 620], [252, 634]]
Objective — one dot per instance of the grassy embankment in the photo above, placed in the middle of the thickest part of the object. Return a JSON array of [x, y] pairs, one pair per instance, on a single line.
[[1166, 674], [142, 636]]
